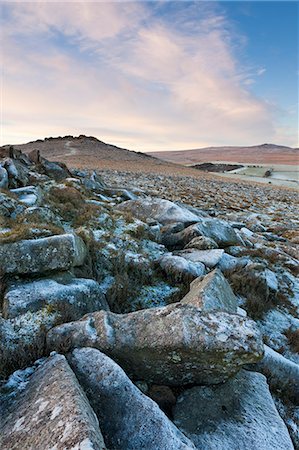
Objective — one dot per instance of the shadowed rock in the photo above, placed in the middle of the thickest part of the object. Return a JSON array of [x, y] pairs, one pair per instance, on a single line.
[[128, 419], [239, 414], [171, 345], [41, 255], [51, 413]]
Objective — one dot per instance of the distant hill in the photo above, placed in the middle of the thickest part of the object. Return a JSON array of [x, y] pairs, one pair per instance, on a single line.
[[256, 154], [90, 153]]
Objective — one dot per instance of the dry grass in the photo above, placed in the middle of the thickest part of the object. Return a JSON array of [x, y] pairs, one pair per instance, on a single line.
[[293, 339], [70, 204], [22, 231]]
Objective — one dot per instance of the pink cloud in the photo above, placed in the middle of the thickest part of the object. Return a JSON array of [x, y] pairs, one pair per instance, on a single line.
[[127, 77]]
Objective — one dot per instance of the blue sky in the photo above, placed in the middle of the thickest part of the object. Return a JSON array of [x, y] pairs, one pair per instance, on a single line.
[[151, 75]]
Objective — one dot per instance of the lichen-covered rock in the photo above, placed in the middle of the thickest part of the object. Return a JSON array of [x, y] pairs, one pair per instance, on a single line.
[[211, 293], [172, 345], [78, 295], [239, 414], [209, 258], [158, 209], [41, 255], [52, 412], [128, 419], [177, 268], [22, 339]]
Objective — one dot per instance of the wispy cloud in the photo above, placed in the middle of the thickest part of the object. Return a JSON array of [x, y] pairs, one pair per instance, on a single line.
[[142, 75]]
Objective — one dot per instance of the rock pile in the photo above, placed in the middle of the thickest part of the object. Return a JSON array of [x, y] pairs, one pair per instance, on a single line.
[[121, 325]]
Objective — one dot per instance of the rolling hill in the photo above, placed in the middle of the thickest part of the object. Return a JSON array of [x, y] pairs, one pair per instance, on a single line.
[[257, 154]]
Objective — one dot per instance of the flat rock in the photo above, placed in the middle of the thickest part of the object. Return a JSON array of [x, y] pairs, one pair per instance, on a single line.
[[164, 211], [173, 345], [59, 252], [239, 414], [51, 413], [178, 269], [129, 420], [78, 295], [209, 258], [211, 293]]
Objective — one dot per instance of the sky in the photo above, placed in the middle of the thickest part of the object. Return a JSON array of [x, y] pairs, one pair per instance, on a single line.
[[150, 75]]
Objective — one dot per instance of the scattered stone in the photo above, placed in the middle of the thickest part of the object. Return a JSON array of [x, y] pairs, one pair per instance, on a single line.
[[282, 374], [3, 178], [128, 419], [211, 293], [52, 412], [76, 295], [239, 414], [230, 263], [29, 195], [158, 209], [10, 206], [202, 243], [41, 255], [179, 269], [173, 345], [209, 258]]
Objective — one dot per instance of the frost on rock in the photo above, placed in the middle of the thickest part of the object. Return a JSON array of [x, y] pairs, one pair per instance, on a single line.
[[239, 414], [129, 420], [172, 345], [52, 412], [79, 295]]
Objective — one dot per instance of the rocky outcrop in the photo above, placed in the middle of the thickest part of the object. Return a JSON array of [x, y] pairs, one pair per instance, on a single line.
[[77, 295], [239, 414], [52, 412], [172, 345], [158, 209], [128, 419], [41, 255], [211, 293]]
